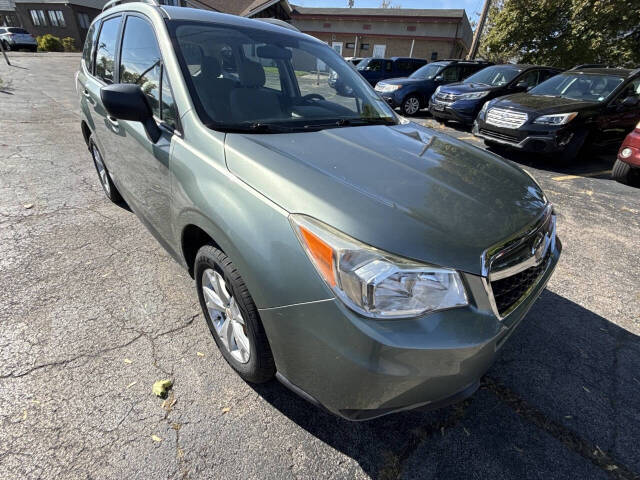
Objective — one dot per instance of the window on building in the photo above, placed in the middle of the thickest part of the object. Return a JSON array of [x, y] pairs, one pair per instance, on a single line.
[[56, 18], [37, 18], [351, 45], [434, 56], [106, 51], [411, 28], [83, 20], [140, 60], [364, 46], [366, 26]]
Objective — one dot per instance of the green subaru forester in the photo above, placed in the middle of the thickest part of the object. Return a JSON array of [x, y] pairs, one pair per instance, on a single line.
[[372, 265]]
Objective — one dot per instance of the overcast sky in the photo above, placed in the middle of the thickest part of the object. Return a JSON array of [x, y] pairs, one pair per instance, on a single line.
[[472, 7]]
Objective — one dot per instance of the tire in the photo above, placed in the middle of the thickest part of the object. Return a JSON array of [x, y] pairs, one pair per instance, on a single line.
[[255, 365], [104, 177], [573, 149], [410, 106], [6, 46], [621, 172]]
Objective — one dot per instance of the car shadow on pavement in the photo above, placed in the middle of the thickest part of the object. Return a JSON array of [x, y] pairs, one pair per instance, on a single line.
[[561, 401]]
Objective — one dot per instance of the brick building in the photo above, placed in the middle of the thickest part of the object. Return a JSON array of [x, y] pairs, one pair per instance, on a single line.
[[388, 32], [8, 15], [62, 18]]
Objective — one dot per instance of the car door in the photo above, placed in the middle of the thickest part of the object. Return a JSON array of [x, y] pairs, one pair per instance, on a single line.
[[103, 73], [146, 163], [619, 118]]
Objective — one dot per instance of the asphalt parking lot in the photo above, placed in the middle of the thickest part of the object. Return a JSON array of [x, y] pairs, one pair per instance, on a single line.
[[93, 312]]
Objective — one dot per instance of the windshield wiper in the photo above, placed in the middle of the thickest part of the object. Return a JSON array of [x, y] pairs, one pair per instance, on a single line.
[[256, 127]]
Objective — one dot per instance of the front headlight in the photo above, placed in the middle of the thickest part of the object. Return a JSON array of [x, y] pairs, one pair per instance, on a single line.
[[386, 88], [375, 283], [437, 91], [485, 107], [473, 95], [626, 152], [557, 119]]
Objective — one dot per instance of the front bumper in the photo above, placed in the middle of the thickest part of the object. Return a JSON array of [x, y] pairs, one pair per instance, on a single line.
[[361, 368], [463, 111], [528, 138]]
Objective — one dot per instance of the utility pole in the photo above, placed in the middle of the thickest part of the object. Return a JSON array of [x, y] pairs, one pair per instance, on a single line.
[[478, 33], [4, 53]]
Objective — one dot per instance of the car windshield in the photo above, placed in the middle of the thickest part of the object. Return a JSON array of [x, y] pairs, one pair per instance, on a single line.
[[16, 30], [265, 81], [577, 86], [428, 71], [373, 64], [494, 76]]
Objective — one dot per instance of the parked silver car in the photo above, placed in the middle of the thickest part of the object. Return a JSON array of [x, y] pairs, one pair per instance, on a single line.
[[16, 38], [372, 265]]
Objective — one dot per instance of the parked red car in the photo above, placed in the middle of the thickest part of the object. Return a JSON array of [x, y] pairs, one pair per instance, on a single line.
[[628, 162]]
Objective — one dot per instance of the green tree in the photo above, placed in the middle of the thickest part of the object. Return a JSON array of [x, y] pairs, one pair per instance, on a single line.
[[563, 32]]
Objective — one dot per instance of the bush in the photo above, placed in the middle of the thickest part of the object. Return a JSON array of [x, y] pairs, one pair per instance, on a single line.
[[49, 43], [69, 44]]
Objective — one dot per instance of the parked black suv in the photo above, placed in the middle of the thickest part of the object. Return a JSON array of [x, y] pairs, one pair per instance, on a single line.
[[589, 106], [413, 93], [376, 69], [462, 101]]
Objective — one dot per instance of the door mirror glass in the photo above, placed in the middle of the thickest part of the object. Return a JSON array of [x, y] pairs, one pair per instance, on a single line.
[[631, 101], [128, 102]]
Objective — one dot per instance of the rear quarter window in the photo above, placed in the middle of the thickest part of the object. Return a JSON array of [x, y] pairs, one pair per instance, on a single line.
[[89, 47]]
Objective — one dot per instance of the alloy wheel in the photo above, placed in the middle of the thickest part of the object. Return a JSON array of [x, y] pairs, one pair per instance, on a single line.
[[225, 315], [411, 105]]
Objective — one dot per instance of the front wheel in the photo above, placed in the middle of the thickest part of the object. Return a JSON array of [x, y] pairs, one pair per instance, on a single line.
[[107, 184], [621, 172], [232, 316], [411, 105]]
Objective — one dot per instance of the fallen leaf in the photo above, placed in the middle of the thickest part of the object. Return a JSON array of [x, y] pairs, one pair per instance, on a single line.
[[176, 426], [180, 453], [586, 389], [28, 206], [126, 360], [131, 384], [466, 431], [200, 354], [226, 409], [37, 402], [161, 387], [24, 414], [156, 438]]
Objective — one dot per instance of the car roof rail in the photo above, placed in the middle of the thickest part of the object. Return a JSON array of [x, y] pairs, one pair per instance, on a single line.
[[590, 65], [113, 3], [279, 23]]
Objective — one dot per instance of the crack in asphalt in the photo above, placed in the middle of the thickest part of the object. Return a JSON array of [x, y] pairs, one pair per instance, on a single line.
[[570, 439]]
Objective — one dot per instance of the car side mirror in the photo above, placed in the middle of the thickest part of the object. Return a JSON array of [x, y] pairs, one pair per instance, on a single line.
[[630, 101], [439, 78], [128, 102], [523, 85]]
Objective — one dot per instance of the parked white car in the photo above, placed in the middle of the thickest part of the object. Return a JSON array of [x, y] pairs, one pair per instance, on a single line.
[[16, 38]]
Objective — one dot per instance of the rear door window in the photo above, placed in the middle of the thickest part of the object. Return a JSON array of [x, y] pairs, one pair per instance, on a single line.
[[531, 78], [87, 51], [140, 60], [106, 49], [451, 74]]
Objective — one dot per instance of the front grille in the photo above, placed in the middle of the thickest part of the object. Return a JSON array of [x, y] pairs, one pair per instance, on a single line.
[[504, 118], [508, 291], [499, 136], [517, 266]]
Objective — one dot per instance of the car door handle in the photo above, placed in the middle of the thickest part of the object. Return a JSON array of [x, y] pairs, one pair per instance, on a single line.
[[113, 121], [87, 95]]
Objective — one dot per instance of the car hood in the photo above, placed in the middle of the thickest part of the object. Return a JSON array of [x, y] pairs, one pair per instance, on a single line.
[[404, 81], [405, 189], [460, 87], [526, 102]]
